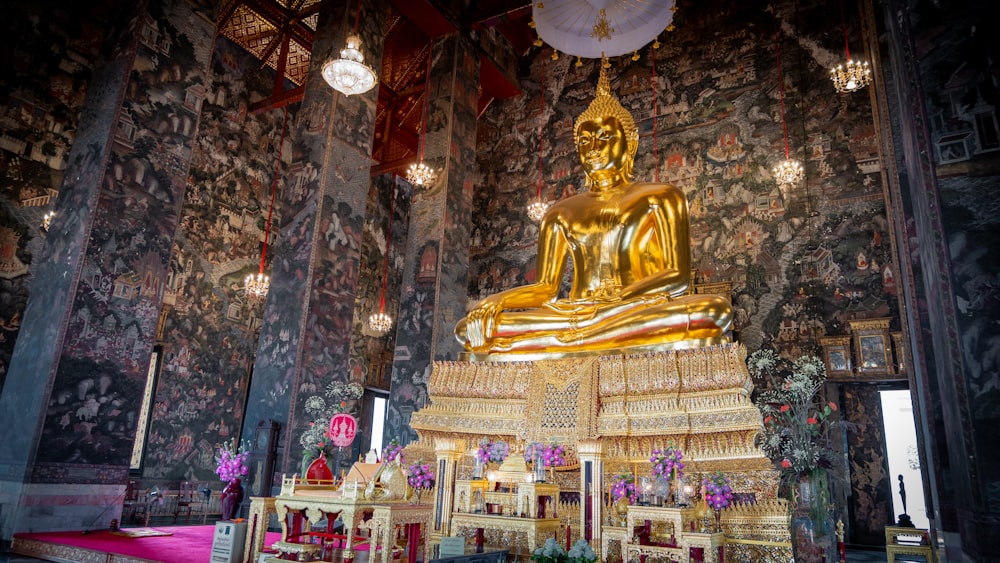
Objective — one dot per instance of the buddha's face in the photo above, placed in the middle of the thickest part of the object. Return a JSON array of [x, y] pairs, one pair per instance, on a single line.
[[603, 147]]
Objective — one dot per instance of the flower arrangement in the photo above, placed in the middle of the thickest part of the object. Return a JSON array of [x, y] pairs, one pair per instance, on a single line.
[[231, 461], [667, 463], [490, 451], [550, 552], [420, 476], [623, 485], [314, 439], [718, 493], [581, 552], [552, 454], [797, 424], [393, 452]]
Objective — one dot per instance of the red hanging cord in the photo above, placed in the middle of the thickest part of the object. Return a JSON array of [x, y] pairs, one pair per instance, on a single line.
[[656, 150], [426, 106], [843, 20], [274, 188], [388, 245], [541, 124], [357, 18], [781, 84]]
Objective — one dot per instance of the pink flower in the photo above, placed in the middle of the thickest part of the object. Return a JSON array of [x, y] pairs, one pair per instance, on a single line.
[[785, 408], [768, 419], [832, 405], [785, 464], [812, 420]]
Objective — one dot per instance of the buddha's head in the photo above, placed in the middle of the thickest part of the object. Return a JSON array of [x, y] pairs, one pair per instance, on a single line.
[[606, 135]]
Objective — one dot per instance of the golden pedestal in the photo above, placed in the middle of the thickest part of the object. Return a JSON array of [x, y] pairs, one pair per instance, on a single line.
[[621, 407]]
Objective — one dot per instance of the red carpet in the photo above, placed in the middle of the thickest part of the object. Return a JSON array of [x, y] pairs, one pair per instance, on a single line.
[[186, 544]]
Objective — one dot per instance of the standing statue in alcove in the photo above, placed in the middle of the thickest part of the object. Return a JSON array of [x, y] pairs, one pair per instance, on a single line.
[[904, 518], [630, 251]]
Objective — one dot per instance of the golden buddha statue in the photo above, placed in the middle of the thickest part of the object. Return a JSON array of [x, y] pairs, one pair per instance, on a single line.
[[630, 251]]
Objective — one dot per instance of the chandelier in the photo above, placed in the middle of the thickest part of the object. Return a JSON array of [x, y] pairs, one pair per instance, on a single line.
[[787, 171], [852, 75], [47, 220], [380, 322], [349, 74], [537, 208], [419, 174], [256, 286]]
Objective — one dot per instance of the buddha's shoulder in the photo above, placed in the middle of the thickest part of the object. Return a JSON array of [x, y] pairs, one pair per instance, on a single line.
[[656, 190]]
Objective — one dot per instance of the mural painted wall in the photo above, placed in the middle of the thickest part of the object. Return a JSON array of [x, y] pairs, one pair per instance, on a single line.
[[41, 94], [305, 340], [437, 255], [371, 353], [97, 390], [211, 327]]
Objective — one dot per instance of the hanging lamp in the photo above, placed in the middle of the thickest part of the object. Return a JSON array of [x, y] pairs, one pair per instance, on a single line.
[[787, 171], [419, 174], [852, 75], [349, 74], [47, 221], [537, 208], [381, 322], [257, 285]]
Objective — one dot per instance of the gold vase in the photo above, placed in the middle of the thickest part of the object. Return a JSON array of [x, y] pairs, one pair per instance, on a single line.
[[621, 509]]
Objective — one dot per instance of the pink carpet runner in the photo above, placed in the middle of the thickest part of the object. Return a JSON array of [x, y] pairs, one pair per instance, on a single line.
[[187, 544]]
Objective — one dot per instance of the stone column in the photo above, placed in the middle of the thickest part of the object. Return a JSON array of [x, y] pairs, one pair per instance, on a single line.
[[437, 260], [305, 338], [70, 404], [448, 452], [591, 453]]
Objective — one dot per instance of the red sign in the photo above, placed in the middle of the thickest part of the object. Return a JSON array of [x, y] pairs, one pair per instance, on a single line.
[[343, 429]]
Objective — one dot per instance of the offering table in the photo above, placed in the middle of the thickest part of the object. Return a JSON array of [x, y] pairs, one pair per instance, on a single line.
[[379, 519], [505, 530]]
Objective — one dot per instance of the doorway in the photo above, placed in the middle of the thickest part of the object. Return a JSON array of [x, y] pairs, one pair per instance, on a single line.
[[901, 450]]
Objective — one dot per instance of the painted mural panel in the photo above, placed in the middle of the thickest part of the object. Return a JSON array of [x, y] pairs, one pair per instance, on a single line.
[[211, 326], [871, 503], [116, 306], [42, 93], [437, 256]]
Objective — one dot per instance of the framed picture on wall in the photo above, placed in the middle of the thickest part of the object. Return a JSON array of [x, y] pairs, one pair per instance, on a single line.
[[872, 348], [837, 357]]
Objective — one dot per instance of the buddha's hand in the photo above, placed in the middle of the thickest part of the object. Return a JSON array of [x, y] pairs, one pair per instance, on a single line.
[[481, 322]]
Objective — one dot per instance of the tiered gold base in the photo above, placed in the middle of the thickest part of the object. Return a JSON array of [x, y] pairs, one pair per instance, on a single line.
[[622, 407]]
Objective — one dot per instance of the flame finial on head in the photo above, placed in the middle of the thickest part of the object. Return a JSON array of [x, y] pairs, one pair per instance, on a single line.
[[605, 104]]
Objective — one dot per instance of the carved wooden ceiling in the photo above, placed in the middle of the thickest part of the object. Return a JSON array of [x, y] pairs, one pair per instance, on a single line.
[[280, 34]]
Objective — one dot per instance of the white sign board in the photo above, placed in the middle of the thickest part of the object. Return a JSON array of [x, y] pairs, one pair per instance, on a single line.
[[228, 542]]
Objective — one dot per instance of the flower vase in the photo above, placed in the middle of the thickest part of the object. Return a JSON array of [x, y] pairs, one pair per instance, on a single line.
[[813, 533], [718, 520], [415, 498], [231, 498], [477, 469]]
